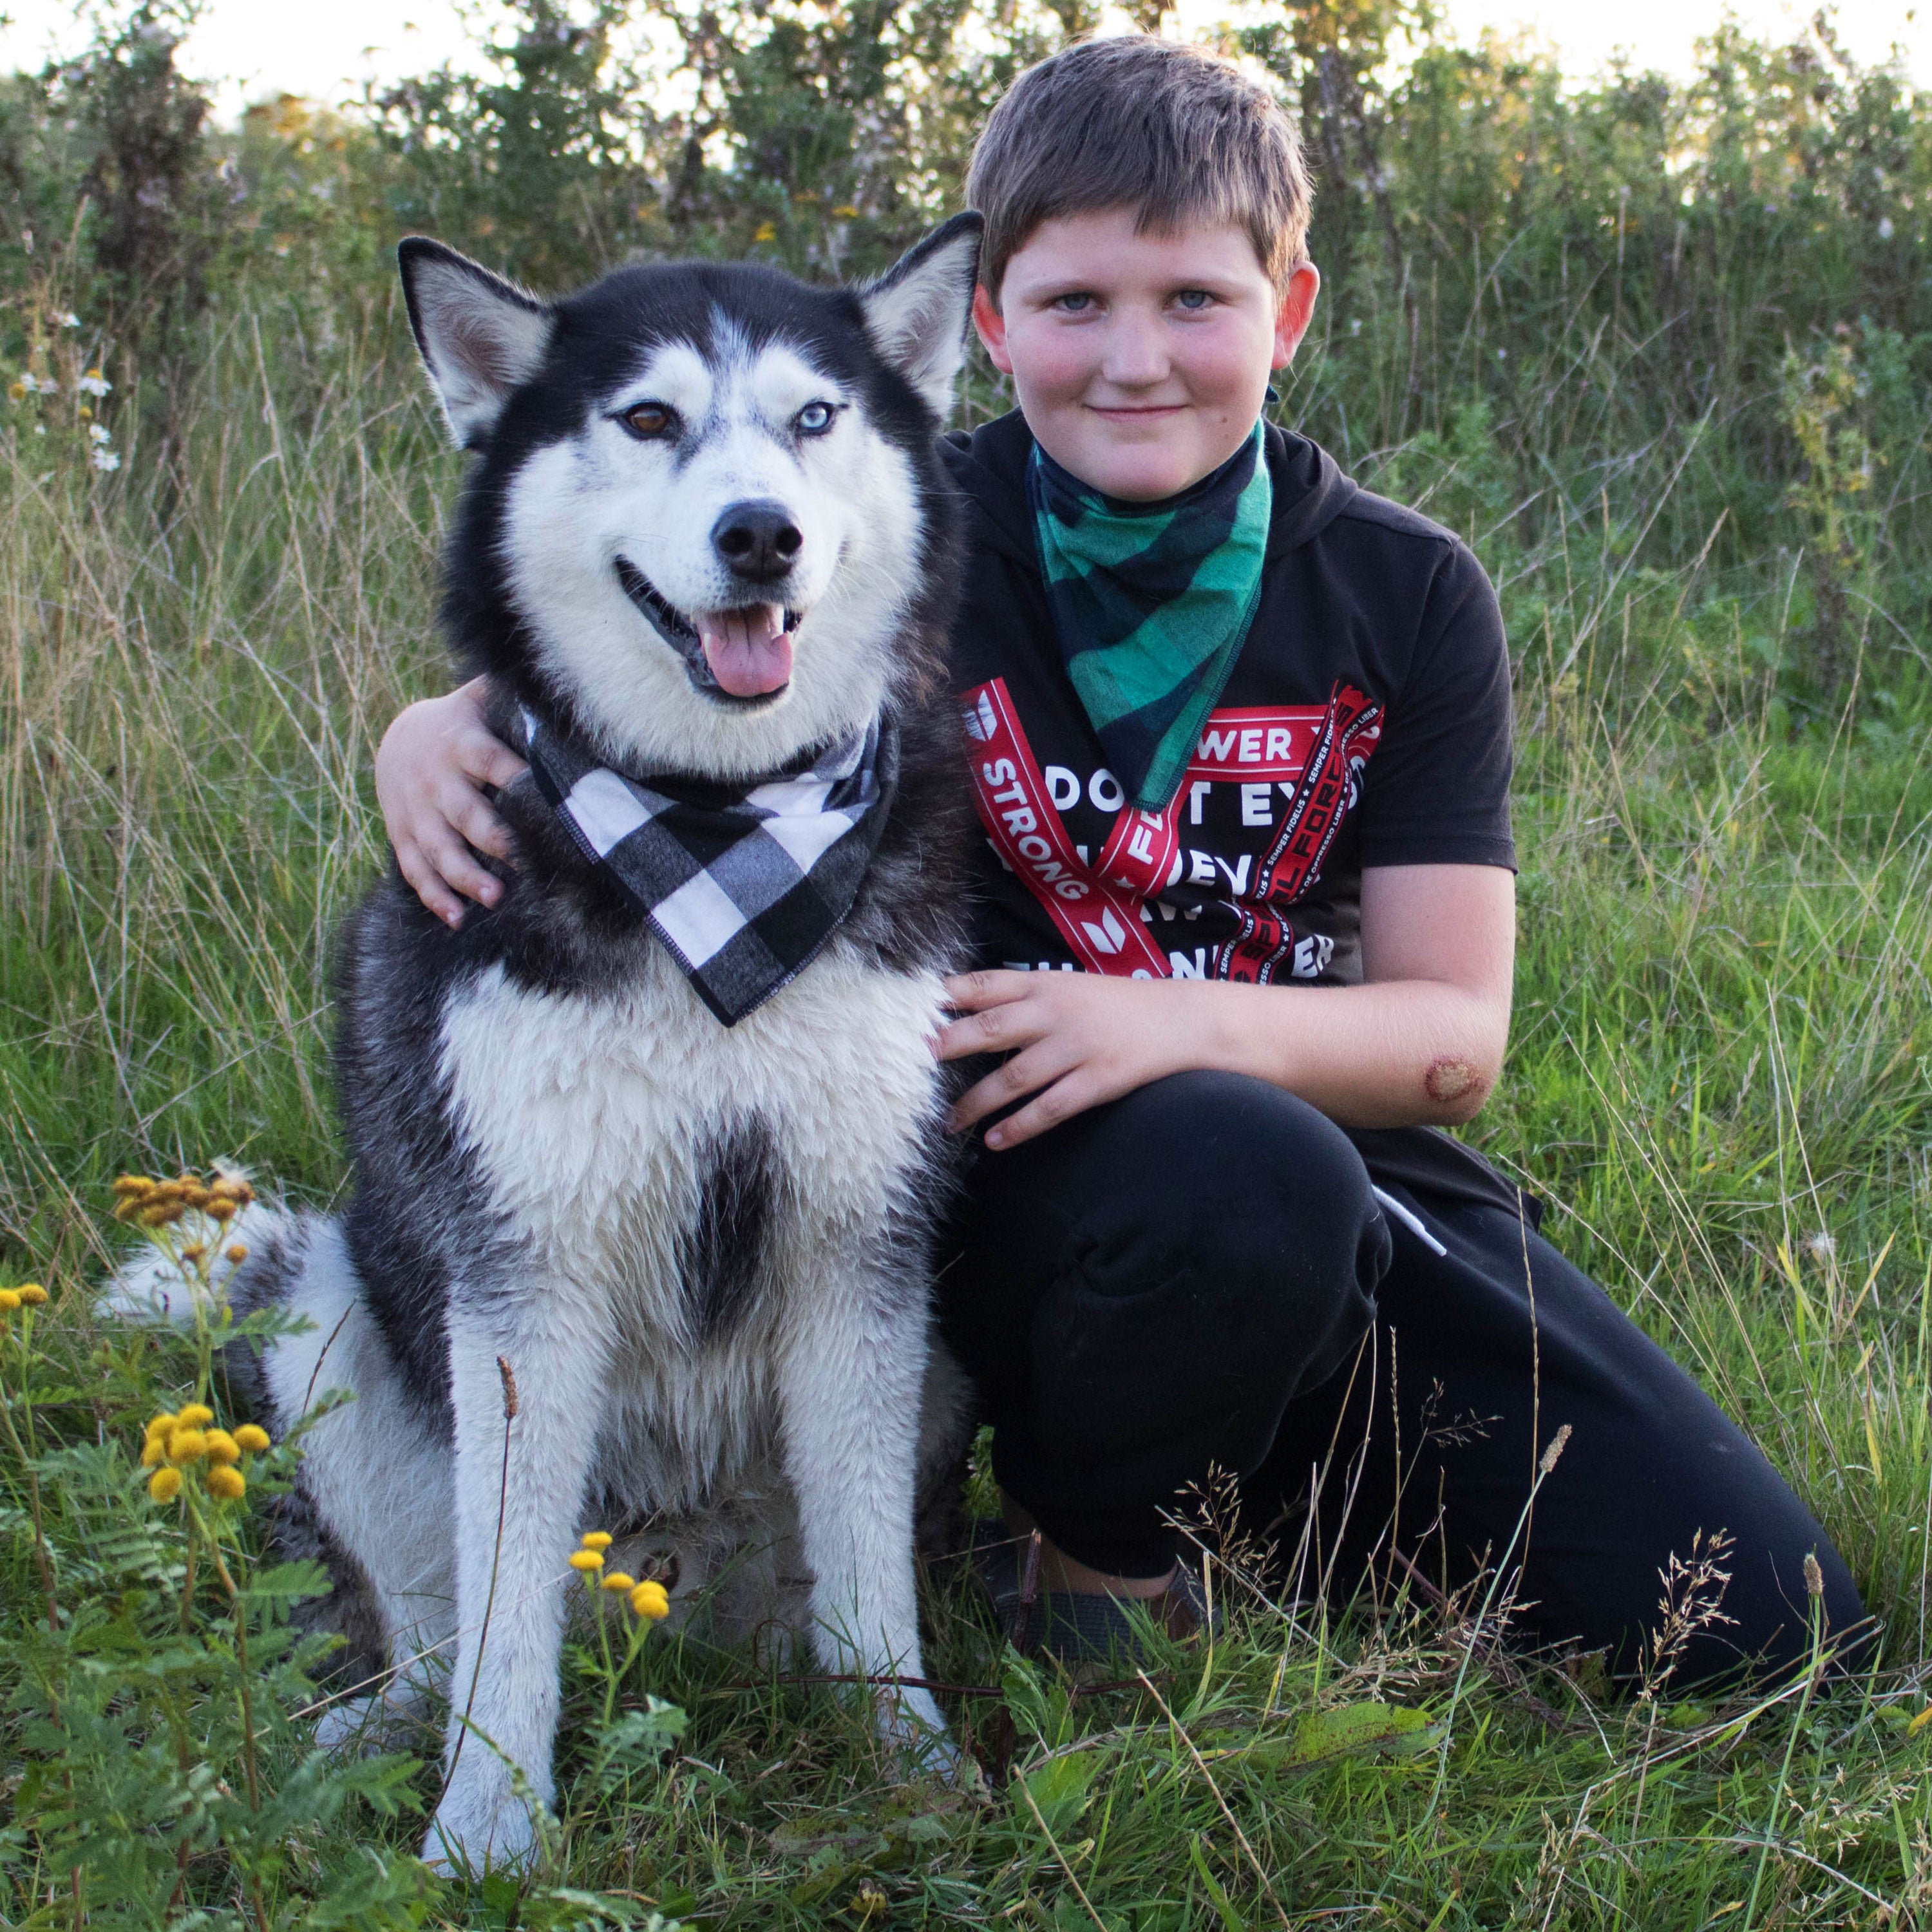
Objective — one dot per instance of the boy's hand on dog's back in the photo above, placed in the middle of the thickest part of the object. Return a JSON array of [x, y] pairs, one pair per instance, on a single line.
[[430, 768]]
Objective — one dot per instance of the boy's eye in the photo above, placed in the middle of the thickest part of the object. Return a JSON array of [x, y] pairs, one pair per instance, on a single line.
[[1194, 300], [651, 421], [815, 419], [1077, 303]]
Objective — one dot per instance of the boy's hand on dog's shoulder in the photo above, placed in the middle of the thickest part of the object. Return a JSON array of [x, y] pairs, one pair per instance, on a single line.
[[430, 768]]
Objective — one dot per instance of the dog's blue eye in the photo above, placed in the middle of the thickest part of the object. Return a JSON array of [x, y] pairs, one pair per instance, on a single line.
[[815, 419]]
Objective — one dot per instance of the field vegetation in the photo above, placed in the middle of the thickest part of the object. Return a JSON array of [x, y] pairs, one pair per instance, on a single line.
[[1662, 351]]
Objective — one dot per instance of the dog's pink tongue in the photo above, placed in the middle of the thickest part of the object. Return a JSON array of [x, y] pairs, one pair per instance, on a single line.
[[748, 650]]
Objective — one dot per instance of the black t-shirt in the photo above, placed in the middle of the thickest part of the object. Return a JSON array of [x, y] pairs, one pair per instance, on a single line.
[[1366, 723]]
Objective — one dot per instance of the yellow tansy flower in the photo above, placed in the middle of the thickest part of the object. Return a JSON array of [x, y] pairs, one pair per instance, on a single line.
[[587, 1560], [765, 231], [32, 1293], [250, 1435], [187, 1445], [153, 1451], [164, 1485], [10, 1299], [229, 1484], [236, 1253], [196, 1415], [617, 1580], [651, 1599], [597, 1539], [223, 1448]]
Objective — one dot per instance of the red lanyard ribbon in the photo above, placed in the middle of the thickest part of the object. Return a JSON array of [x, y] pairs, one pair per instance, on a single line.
[[1098, 908], [1102, 926]]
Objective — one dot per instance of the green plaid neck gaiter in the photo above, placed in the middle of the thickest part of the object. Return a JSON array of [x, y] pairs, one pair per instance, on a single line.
[[1151, 603]]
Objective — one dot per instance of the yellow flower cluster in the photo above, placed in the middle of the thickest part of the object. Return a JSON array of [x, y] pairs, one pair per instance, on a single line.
[[155, 1204], [649, 1599], [29, 1294], [184, 1441]]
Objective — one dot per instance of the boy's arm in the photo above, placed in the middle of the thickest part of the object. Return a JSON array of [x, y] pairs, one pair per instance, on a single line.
[[1420, 1042], [428, 768]]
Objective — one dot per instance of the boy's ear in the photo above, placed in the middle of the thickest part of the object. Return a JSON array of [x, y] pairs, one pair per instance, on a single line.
[[480, 337], [917, 310]]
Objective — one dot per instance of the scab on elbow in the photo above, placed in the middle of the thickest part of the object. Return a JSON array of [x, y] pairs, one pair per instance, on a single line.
[[1456, 1086]]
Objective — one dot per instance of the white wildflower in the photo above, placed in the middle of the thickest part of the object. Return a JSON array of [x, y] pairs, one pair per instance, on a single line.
[[96, 433], [94, 383], [1820, 1246], [1884, 228], [70, 320], [106, 459]]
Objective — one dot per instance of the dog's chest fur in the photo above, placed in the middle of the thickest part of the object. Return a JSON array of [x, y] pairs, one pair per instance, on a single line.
[[606, 1123], [693, 1180]]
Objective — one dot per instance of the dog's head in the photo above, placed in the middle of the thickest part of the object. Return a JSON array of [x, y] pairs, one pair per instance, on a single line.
[[704, 522]]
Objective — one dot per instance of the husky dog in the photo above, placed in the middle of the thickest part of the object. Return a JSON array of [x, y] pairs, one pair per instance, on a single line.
[[683, 1202]]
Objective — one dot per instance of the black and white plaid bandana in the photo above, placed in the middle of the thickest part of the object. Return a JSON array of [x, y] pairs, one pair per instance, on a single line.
[[743, 884]]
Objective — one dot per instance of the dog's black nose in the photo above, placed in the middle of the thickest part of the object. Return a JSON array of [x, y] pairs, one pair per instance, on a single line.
[[758, 540]]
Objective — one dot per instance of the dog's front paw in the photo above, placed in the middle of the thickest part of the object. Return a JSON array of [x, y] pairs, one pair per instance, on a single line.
[[481, 1826], [914, 1726], [363, 1727]]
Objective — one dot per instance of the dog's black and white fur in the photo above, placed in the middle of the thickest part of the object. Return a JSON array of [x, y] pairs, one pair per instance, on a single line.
[[703, 1250]]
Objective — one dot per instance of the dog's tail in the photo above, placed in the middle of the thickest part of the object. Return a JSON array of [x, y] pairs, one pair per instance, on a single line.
[[152, 1287], [269, 1256], [298, 1261]]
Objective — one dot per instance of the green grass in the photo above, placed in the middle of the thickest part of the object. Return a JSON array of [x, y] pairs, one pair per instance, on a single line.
[[1719, 1081]]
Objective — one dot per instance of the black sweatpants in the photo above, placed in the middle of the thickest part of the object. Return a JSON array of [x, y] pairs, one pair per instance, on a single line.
[[1199, 1274]]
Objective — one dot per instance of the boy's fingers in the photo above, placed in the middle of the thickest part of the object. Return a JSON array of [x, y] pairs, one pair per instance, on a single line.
[[1060, 1102], [996, 1030], [1005, 1084], [970, 990], [457, 867], [488, 760], [423, 880], [469, 812]]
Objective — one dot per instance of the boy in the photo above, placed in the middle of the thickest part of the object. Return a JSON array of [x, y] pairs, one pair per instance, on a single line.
[[1239, 735]]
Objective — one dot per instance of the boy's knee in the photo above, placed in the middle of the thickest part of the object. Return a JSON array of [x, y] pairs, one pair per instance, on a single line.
[[1233, 1182], [1235, 1266]]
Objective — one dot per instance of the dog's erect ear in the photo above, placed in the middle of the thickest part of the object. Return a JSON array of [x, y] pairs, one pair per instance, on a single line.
[[480, 337], [918, 310]]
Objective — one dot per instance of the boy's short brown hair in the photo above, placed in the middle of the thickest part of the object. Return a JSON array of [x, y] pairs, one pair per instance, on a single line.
[[1175, 132]]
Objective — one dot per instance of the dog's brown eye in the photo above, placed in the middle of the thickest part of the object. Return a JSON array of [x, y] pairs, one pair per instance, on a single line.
[[650, 419]]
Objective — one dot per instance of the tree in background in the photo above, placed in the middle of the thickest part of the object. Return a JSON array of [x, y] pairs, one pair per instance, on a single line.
[[1534, 290]]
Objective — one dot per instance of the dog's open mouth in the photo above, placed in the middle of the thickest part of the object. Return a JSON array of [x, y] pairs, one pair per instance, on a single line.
[[744, 653]]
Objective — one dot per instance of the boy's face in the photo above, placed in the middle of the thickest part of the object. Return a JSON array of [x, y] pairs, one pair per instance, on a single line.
[[1141, 361]]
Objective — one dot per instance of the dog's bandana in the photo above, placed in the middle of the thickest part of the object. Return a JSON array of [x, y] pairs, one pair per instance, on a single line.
[[1151, 603], [743, 885]]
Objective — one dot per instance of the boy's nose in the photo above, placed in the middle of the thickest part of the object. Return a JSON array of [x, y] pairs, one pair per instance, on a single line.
[[1136, 356]]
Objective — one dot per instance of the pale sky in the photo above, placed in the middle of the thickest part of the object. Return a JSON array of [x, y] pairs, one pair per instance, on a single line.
[[254, 47]]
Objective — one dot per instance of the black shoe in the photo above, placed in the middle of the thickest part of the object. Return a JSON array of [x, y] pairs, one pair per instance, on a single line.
[[1076, 1627]]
